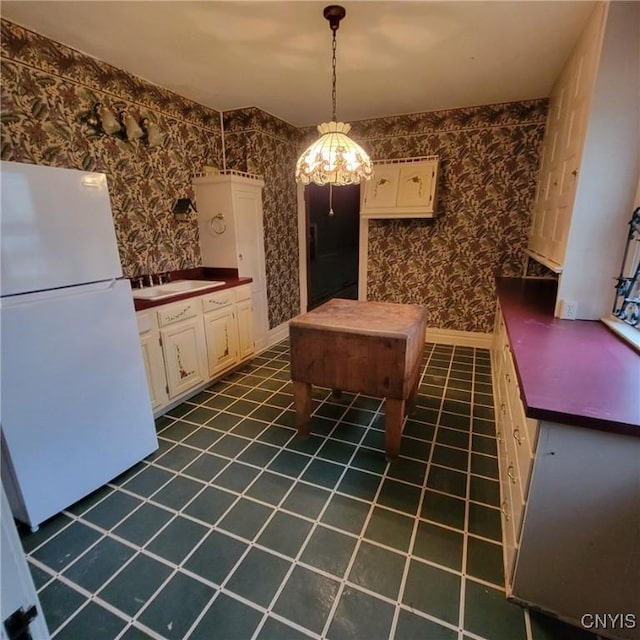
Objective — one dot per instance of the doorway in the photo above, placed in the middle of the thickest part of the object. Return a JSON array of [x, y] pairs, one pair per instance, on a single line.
[[332, 243]]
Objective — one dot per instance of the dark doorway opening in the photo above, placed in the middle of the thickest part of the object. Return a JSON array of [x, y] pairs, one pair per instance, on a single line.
[[332, 243]]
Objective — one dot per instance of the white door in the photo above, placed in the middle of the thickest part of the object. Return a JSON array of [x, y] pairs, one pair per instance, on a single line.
[[221, 333], [185, 356], [154, 368], [245, 328], [75, 403], [17, 590], [56, 228], [250, 236]]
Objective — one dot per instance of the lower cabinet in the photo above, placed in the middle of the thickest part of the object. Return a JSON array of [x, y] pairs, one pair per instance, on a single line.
[[570, 510], [186, 344]]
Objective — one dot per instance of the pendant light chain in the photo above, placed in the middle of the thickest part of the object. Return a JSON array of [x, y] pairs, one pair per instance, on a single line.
[[334, 158], [333, 100], [333, 71]]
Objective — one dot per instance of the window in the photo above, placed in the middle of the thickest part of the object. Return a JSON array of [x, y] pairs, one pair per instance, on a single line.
[[625, 316]]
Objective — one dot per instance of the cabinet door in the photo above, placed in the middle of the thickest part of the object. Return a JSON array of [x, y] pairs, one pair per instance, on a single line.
[[249, 235], [381, 192], [184, 356], [416, 184], [154, 368], [245, 328], [562, 150], [221, 334]]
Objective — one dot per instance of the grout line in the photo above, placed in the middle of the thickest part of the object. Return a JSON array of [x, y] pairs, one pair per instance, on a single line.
[[436, 361]]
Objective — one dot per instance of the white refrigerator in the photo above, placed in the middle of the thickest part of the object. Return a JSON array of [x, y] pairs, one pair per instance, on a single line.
[[74, 403]]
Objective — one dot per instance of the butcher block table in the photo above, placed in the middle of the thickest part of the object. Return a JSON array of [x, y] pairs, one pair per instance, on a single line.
[[373, 348]]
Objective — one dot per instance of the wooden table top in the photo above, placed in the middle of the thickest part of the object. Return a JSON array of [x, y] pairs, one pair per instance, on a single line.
[[363, 317]]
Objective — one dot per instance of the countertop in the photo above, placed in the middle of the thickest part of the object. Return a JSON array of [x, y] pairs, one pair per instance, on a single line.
[[570, 371], [228, 276]]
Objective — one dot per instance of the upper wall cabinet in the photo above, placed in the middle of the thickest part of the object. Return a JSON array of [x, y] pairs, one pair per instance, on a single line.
[[401, 189], [231, 229], [591, 161], [562, 147]]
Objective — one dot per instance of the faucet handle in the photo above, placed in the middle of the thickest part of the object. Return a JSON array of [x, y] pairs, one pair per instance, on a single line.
[[140, 282], [150, 279], [163, 277]]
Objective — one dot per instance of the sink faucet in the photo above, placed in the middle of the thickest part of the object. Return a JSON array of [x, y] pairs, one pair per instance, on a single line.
[[150, 275]]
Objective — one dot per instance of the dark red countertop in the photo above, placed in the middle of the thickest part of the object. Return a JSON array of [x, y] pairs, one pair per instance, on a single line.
[[228, 276], [571, 371]]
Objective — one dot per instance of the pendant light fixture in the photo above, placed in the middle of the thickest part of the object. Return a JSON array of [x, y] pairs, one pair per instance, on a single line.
[[334, 158]]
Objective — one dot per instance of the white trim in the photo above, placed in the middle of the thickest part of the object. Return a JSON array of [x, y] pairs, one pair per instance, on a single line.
[[459, 338], [439, 336], [363, 258], [224, 151], [277, 334], [302, 249], [624, 330], [547, 262]]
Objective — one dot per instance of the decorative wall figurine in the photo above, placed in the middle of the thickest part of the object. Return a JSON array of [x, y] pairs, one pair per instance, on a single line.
[[109, 122], [134, 132], [154, 135]]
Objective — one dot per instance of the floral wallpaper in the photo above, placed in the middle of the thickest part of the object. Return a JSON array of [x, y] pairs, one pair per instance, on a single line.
[[260, 143], [48, 90], [488, 166]]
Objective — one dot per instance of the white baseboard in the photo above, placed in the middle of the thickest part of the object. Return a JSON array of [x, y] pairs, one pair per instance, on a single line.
[[459, 338], [439, 336]]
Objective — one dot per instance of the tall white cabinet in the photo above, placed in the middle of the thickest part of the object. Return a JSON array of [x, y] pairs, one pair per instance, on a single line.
[[590, 162], [230, 223]]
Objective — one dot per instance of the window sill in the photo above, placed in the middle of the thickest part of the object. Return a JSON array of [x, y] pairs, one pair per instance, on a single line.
[[625, 331]]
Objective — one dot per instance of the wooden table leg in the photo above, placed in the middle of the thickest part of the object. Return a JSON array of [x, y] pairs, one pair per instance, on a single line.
[[393, 419], [413, 396], [302, 404]]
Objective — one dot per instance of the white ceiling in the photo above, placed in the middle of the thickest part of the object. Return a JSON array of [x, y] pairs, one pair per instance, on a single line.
[[394, 57]]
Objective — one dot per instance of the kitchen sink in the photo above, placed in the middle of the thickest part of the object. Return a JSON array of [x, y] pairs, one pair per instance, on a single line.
[[173, 288]]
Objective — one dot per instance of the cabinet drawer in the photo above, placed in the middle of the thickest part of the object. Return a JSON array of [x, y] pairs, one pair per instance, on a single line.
[[145, 321], [517, 510], [243, 293], [522, 446], [178, 312], [220, 300]]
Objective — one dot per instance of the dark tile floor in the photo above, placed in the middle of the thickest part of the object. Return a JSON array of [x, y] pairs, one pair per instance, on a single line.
[[237, 528]]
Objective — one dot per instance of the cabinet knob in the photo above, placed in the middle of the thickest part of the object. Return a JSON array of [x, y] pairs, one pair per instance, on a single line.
[[574, 173], [516, 436], [240, 256], [505, 510], [511, 474]]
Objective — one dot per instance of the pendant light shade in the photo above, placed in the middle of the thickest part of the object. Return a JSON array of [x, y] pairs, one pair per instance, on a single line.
[[334, 158]]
